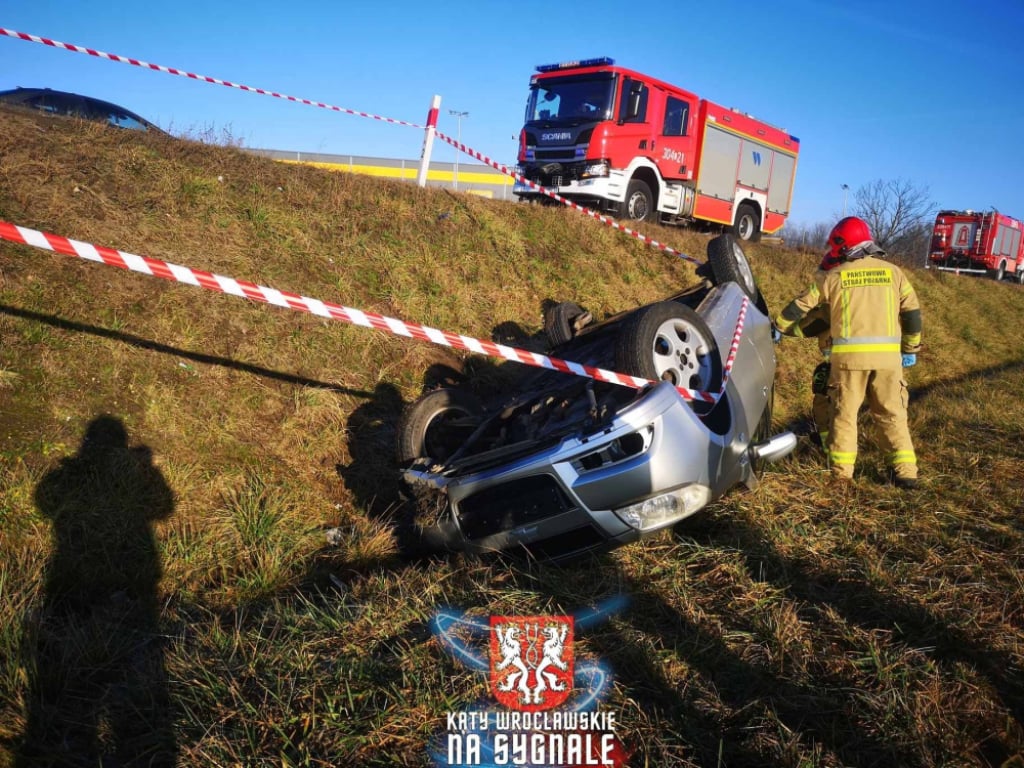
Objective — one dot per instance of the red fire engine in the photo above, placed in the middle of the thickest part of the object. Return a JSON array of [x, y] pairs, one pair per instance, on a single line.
[[642, 149], [990, 243]]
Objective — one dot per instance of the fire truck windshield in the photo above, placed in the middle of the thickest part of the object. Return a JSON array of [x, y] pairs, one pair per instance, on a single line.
[[571, 99]]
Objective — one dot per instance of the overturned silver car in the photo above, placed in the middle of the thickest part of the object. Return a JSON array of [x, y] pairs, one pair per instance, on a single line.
[[558, 465]]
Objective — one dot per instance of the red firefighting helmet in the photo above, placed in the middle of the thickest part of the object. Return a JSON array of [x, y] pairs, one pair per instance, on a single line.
[[846, 236]]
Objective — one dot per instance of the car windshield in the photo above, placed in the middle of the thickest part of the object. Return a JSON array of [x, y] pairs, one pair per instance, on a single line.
[[583, 97]]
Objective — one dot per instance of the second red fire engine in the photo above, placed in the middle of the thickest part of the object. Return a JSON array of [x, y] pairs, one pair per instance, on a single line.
[[970, 241]]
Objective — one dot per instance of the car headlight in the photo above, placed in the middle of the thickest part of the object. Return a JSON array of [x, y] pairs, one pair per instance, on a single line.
[[668, 508], [592, 170]]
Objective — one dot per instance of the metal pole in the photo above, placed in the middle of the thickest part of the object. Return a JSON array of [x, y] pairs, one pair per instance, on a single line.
[[458, 138], [428, 141]]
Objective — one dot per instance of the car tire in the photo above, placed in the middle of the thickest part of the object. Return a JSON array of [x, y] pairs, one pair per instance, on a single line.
[[437, 424], [747, 226], [728, 264], [669, 341], [563, 321], [639, 204], [1020, 274], [999, 274]]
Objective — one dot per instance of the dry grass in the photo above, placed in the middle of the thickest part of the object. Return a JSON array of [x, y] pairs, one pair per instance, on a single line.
[[792, 626]]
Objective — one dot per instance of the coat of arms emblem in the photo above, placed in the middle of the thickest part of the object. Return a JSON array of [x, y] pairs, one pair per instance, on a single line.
[[531, 661]]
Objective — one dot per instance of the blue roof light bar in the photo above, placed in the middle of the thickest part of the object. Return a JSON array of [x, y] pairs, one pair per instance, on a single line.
[[602, 61]]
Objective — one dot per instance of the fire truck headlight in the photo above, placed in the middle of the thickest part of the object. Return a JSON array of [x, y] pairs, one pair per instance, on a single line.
[[593, 170]]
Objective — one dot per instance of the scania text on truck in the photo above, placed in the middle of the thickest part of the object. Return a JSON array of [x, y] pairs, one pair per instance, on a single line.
[[970, 241], [642, 149]]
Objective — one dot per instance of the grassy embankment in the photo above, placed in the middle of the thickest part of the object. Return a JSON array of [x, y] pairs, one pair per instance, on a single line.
[[789, 626]]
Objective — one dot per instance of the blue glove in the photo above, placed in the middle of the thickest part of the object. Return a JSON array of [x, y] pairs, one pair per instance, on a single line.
[[909, 360], [776, 335]]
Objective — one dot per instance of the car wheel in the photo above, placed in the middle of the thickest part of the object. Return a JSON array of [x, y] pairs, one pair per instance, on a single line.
[[563, 321], [437, 424], [639, 205], [747, 226], [728, 264], [671, 342]]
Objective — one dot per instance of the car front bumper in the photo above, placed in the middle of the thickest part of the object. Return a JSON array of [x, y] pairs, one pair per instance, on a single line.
[[574, 496]]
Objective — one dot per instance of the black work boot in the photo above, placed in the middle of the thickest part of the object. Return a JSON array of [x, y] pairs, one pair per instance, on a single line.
[[904, 483]]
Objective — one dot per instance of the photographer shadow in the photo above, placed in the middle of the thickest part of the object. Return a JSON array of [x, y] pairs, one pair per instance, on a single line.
[[93, 650]]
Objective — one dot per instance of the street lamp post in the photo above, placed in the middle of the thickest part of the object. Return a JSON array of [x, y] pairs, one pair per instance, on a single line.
[[458, 137], [846, 188]]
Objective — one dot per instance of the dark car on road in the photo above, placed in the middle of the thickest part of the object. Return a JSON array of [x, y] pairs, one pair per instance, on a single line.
[[73, 105]]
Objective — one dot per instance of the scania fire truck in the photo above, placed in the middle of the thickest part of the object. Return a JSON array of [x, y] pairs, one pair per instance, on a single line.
[[642, 149], [970, 241]]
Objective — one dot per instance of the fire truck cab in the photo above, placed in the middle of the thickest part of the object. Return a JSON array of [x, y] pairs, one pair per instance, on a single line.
[[642, 149]]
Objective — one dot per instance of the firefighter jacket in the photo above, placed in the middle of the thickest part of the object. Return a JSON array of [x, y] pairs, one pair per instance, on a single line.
[[874, 313], [813, 322]]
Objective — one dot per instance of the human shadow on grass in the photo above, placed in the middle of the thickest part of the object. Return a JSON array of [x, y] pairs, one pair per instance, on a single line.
[[93, 649], [865, 605], [166, 349]]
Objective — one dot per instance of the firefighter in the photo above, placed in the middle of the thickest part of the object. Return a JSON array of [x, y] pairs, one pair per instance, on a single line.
[[875, 321], [814, 323]]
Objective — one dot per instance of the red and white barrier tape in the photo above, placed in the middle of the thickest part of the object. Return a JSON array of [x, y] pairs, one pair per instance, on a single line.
[[734, 347], [575, 206], [181, 73], [174, 272]]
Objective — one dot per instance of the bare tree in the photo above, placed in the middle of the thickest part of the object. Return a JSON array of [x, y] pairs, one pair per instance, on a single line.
[[811, 238], [895, 210], [911, 248]]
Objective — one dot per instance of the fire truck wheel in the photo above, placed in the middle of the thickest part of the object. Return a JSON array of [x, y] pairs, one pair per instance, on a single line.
[[999, 274], [639, 201], [669, 341], [748, 223], [1020, 274], [437, 424]]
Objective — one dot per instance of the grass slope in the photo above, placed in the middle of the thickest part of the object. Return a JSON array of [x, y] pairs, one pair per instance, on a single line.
[[176, 563]]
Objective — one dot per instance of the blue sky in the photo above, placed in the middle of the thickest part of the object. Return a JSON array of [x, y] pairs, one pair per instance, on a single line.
[[929, 90]]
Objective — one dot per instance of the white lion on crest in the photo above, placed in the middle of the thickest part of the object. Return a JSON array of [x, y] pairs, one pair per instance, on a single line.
[[512, 655], [553, 649]]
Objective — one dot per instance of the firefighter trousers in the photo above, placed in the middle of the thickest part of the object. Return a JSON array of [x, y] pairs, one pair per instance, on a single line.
[[886, 394], [821, 404]]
